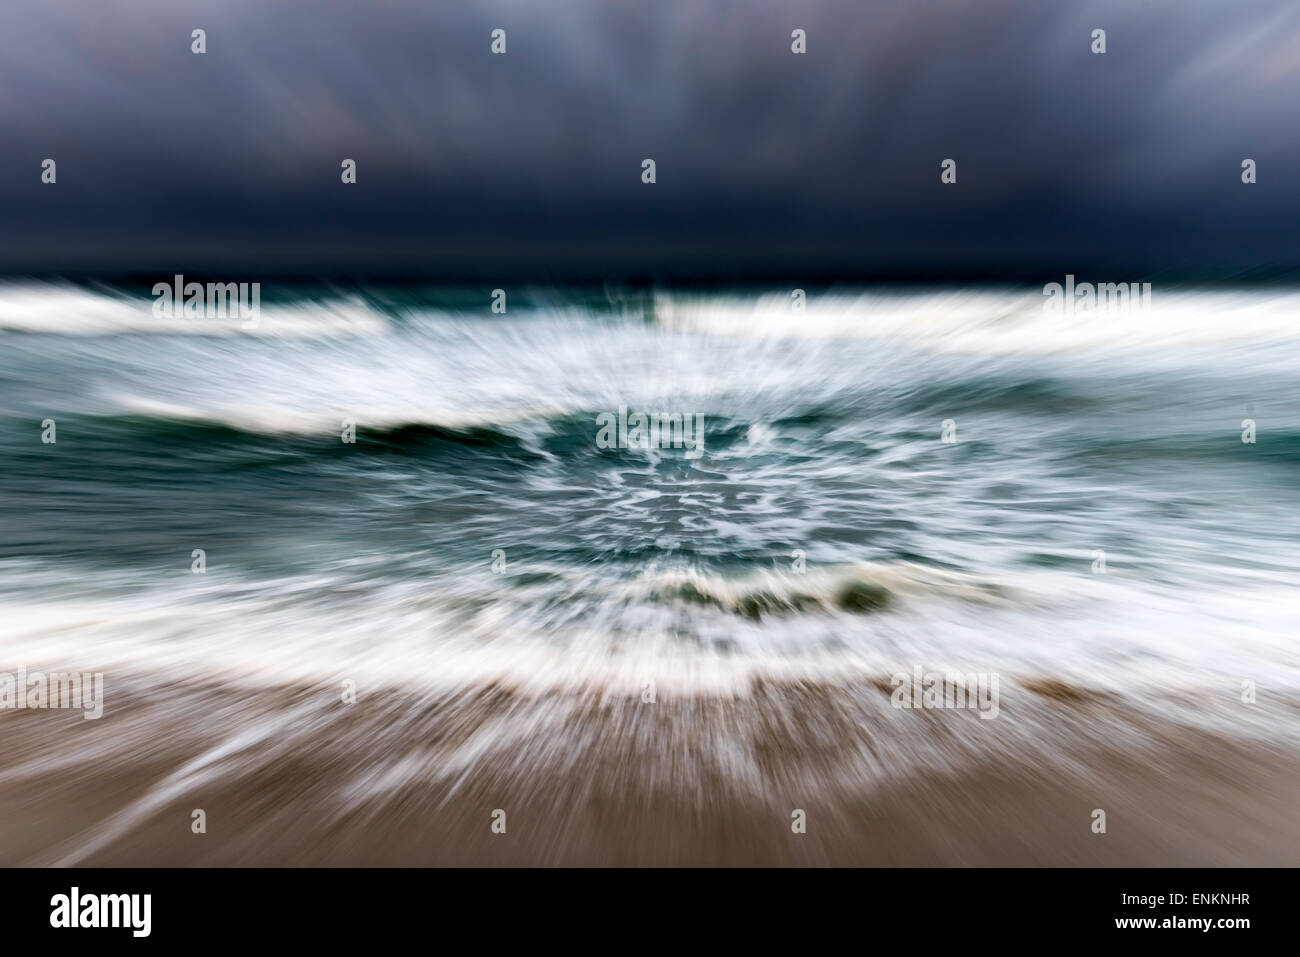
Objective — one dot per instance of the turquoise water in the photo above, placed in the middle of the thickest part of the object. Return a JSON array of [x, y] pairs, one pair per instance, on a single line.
[[475, 529]]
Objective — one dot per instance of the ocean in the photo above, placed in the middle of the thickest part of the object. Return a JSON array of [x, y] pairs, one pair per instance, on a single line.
[[891, 479]]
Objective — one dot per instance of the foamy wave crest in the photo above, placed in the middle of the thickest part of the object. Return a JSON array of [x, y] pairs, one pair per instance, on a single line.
[[321, 420], [68, 310], [971, 321]]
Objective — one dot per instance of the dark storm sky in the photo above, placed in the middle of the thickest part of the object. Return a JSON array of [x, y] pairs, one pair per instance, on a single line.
[[769, 164]]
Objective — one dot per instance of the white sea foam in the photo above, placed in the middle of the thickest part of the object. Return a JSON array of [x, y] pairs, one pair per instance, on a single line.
[[1182, 652], [65, 309], [977, 321], [959, 319]]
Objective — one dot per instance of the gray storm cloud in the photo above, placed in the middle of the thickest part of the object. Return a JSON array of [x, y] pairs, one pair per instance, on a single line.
[[766, 159]]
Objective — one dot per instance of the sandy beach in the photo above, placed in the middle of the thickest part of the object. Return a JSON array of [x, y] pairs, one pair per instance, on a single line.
[[293, 776]]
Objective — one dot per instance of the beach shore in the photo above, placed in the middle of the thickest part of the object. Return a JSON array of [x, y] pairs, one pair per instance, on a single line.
[[295, 776]]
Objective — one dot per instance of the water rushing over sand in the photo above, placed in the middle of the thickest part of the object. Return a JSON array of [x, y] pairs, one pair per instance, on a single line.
[[502, 591]]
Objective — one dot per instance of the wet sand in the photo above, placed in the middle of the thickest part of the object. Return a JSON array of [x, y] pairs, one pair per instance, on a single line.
[[293, 776]]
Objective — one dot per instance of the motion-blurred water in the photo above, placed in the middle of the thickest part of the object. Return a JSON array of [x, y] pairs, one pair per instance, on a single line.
[[825, 530]]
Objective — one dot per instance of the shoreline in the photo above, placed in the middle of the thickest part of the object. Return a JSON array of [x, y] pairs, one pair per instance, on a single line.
[[295, 777]]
